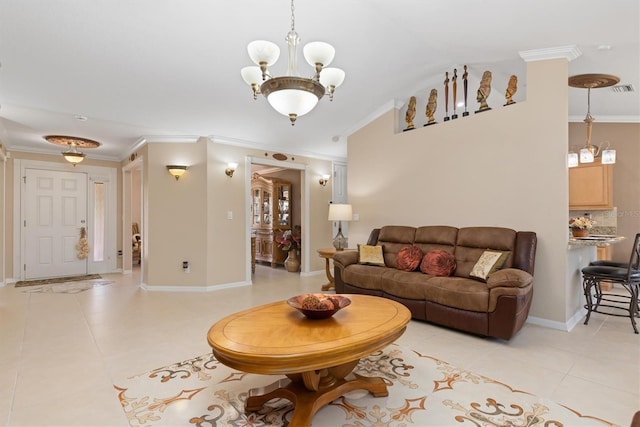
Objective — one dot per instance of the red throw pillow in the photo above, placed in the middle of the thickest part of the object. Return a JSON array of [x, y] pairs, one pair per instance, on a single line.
[[409, 258], [438, 263]]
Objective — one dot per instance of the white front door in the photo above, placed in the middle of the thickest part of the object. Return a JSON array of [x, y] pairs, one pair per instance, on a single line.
[[55, 213]]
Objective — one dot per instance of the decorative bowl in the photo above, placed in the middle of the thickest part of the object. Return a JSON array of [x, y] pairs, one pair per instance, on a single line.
[[318, 306]]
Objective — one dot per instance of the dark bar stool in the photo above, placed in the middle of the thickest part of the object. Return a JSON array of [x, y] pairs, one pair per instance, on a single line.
[[627, 275]]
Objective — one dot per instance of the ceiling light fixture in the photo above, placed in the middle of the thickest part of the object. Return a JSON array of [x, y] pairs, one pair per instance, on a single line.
[[72, 155], [291, 95], [589, 152]]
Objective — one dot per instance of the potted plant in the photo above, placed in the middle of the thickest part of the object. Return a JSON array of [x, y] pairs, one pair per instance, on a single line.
[[290, 242], [580, 226]]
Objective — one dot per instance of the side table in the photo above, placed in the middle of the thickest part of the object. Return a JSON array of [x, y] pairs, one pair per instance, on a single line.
[[327, 254]]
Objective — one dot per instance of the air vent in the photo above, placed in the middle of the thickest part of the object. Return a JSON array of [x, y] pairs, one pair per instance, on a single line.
[[623, 88]]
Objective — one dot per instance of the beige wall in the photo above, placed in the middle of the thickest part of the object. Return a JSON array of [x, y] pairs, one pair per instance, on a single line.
[[505, 167], [625, 139], [186, 220]]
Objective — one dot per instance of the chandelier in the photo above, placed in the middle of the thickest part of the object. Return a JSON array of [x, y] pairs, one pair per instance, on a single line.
[[589, 152], [72, 155], [292, 95]]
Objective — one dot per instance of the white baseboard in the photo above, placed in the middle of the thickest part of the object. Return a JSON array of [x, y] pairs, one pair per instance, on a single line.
[[178, 288], [567, 326]]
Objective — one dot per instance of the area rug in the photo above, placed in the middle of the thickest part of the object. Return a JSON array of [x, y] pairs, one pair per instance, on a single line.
[[423, 391], [39, 282], [67, 287]]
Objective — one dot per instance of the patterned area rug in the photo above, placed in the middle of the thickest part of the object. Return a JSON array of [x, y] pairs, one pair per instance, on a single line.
[[423, 391], [39, 282], [67, 287]]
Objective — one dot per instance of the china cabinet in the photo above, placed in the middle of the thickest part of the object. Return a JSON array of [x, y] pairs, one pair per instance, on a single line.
[[270, 217]]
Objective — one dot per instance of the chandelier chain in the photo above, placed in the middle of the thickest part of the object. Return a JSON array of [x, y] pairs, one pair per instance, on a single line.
[[293, 19]]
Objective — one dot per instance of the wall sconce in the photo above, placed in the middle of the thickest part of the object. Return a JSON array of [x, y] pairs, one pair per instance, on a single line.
[[324, 179], [176, 170], [231, 168]]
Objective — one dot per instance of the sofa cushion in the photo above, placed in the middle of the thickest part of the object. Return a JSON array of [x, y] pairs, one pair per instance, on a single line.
[[364, 276], [489, 262], [394, 238], [409, 258], [438, 263], [458, 292], [404, 284], [473, 241], [371, 255], [432, 237]]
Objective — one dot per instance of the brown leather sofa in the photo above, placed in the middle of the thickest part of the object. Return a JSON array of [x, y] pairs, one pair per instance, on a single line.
[[497, 308]]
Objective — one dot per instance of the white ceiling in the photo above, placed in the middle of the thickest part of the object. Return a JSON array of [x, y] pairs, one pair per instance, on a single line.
[[148, 68]]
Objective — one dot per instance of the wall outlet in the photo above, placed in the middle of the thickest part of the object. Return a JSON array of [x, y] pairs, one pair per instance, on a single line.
[[185, 267]]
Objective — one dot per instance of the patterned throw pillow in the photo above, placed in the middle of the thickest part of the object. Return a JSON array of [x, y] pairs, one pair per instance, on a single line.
[[408, 258], [371, 255], [489, 262], [438, 263]]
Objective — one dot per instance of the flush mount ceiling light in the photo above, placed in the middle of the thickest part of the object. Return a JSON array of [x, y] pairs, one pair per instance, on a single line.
[[291, 95], [72, 155], [589, 152]]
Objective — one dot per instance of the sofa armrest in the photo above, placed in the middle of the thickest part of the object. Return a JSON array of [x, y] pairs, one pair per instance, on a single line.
[[344, 258], [509, 277]]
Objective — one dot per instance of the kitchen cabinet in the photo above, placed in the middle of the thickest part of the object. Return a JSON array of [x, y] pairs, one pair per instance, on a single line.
[[270, 217], [591, 186]]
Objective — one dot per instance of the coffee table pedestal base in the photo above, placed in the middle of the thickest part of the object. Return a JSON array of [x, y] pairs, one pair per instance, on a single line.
[[310, 391]]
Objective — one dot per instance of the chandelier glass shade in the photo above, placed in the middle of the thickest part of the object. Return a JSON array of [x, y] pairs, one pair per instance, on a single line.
[[292, 95], [589, 152]]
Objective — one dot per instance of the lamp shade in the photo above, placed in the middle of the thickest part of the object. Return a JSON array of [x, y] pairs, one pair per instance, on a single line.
[[318, 53], [292, 101], [608, 157], [331, 77], [263, 51], [340, 212], [251, 75]]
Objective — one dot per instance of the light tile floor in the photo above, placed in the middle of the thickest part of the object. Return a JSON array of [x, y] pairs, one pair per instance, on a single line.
[[60, 354]]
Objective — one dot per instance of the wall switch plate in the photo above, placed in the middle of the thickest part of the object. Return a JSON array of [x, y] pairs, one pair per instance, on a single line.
[[185, 267], [229, 214]]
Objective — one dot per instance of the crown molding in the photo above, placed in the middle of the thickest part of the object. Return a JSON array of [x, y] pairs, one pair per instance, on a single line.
[[569, 53]]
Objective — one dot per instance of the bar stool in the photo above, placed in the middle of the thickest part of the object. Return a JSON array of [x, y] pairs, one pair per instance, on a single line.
[[626, 275]]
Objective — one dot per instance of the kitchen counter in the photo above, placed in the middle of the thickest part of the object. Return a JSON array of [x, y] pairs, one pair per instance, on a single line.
[[596, 240]]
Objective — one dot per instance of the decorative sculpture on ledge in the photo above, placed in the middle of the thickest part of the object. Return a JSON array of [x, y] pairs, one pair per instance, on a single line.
[[484, 91], [512, 88], [411, 113], [455, 90], [446, 96], [465, 83], [432, 104]]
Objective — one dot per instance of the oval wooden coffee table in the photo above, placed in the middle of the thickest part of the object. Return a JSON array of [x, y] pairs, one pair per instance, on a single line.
[[314, 355]]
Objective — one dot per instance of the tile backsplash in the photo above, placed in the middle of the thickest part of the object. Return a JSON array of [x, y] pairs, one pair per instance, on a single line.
[[606, 221]]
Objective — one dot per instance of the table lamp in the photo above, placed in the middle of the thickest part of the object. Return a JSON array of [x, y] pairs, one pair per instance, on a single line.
[[340, 212]]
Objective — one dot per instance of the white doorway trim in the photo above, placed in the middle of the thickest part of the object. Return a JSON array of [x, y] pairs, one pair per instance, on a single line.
[[127, 221], [102, 173], [304, 213]]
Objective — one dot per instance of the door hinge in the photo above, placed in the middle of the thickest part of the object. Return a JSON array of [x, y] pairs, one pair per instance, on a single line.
[[24, 267], [24, 179], [25, 222]]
